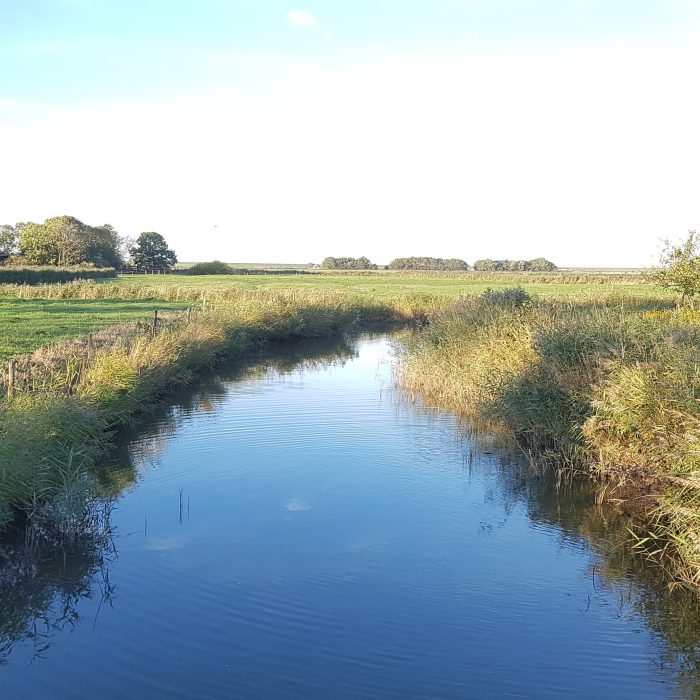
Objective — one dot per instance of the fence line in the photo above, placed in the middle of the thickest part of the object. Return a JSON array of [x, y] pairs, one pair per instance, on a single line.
[[60, 368]]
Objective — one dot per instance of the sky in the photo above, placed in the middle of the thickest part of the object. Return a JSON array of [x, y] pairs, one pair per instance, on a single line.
[[270, 131]]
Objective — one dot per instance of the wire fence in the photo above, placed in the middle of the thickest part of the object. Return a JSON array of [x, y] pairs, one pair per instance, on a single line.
[[60, 368]]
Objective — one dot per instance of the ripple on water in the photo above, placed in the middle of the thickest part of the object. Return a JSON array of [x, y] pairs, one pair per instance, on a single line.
[[310, 535]]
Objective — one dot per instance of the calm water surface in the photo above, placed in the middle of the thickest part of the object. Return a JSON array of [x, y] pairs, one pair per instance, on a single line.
[[302, 532]]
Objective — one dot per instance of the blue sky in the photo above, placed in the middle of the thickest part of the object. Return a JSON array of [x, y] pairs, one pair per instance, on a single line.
[[451, 127], [62, 50]]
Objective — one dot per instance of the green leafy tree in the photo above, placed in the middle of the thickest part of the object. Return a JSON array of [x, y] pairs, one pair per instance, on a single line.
[[486, 265], [536, 265], [680, 267], [541, 265], [362, 263], [151, 252], [65, 240], [9, 238], [424, 263], [103, 246]]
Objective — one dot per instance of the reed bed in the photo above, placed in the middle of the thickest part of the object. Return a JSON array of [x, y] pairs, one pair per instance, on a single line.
[[608, 388]]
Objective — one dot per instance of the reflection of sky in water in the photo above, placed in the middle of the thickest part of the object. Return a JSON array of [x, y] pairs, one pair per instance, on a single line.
[[309, 535]]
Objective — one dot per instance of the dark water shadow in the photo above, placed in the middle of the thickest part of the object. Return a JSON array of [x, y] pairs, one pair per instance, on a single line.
[[571, 508]]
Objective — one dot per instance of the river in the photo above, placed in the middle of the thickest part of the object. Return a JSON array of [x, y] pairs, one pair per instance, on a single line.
[[299, 529]]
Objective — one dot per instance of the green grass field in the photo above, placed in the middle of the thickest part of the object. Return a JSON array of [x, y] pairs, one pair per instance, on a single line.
[[382, 285], [27, 324]]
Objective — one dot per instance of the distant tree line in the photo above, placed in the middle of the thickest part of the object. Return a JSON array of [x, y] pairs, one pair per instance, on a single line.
[[536, 265], [348, 264], [428, 264], [64, 241], [423, 263]]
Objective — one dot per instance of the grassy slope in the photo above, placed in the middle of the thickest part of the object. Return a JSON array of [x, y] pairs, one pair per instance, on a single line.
[[27, 324]]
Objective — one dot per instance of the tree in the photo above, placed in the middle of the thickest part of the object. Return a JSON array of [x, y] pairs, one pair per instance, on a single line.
[[536, 265], [486, 265], [9, 238], [362, 263], [151, 252], [423, 263], [541, 265], [680, 267], [65, 240], [103, 246]]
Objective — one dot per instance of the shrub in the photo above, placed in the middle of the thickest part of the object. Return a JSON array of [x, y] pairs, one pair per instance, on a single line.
[[511, 296]]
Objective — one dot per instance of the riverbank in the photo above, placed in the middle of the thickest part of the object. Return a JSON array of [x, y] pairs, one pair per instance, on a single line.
[[70, 397], [609, 389]]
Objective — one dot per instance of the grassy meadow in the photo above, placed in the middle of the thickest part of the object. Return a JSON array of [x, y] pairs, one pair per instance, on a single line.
[[389, 284], [28, 324]]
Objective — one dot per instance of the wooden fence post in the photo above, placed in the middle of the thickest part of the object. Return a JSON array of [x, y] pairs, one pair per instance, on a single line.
[[11, 368], [155, 323]]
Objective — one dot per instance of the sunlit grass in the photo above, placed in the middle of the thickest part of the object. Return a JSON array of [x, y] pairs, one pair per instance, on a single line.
[[28, 324]]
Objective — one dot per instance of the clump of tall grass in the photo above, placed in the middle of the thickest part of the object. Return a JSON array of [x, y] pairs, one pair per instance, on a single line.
[[45, 439], [610, 389]]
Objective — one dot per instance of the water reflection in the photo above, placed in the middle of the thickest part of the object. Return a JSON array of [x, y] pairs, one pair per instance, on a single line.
[[41, 589], [571, 508], [141, 447]]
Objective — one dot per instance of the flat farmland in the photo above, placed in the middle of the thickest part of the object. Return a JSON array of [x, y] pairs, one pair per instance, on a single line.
[[384, 285]]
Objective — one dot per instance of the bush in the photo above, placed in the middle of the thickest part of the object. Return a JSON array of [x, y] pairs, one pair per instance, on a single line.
[[215, 267], [511, 296], [52, 275]]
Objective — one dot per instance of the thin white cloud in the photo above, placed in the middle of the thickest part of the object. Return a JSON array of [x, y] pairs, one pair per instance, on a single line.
[[301, 19]]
